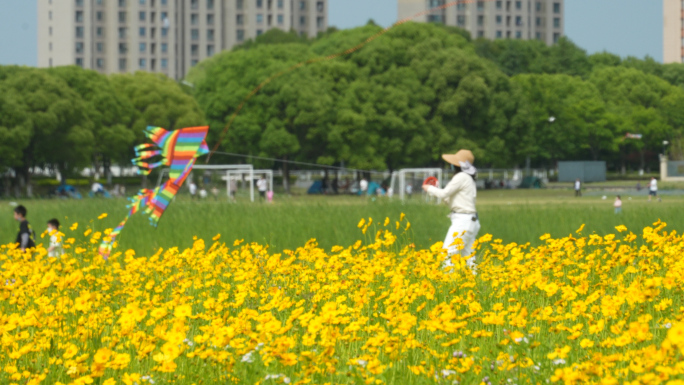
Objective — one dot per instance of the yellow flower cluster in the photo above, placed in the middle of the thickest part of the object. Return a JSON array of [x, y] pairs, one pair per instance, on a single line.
[[575, 310]]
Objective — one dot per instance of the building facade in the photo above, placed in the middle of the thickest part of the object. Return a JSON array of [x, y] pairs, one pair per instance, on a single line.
[[165, 36], [500, 19], [673, 31]]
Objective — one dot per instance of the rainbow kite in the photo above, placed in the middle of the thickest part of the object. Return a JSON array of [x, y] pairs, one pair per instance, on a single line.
[[177, 150]]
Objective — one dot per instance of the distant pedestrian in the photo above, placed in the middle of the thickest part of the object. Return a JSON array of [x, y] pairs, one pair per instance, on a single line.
[[55, 248], [409, 190], [262, 186], [363, 186], [25, 237], [203, 193], [215, 192], [653, 189], [193, 190], [638, 186], [578, 188], [618, 205], [269, 196], [233, 189]]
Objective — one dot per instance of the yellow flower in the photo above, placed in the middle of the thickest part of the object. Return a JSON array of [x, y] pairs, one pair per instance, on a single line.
[[216, 238], [87, 232], [70, 351], [387, 221], [621, 228], [74, 227], [183, 311], [586, 343], [361, 223], [580, 229], [102, 216]]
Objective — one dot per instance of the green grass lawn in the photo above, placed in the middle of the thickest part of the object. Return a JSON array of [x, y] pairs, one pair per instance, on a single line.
[[511, 215]]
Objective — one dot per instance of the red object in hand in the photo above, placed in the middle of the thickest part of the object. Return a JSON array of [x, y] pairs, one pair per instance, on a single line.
[[431, 181]]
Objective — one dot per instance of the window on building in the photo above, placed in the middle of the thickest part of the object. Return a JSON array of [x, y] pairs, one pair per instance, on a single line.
[[164, 2], [164, 47], [302, 20], [461, 20], [142, 64], [50, 63], [79, 16], [194, 49], [480, 20], [259, 18], [508, 21], [194, 34], [320, 6], [260, 32], [123, 48], [142, 2], [50, 45], [122, 17], [240, 34], [143, 47], [50, 31], [79, 47], [499, 4], [518, 34], [100, 63], [194, 19], [50, 15], [499, 34], [99, 15], [538, 36], [153, 48], [194, 62], [518, 5], [556, 8], [122, 33], [141, 16], [480, 33], [281, 20], [556, 37], [153, 17], [518, 21], [153, 64], [122, 3], [240, 19], [122, 64], [508, 34], [280, 4], [302, 5], [538, 6], [210, 35], [99, 47], [556, 22], [79, 32], [480, 5], [260, 3], [210, 50], [165, 32], [164, 16], [239, 4], [210, 19], [499, 19], [99, 31], [461, 6], [539, 22], [79, 62], [194, 4], [79, 3], [320, 22], [164, 63], [269, 21], [210, 4], [142, 32]]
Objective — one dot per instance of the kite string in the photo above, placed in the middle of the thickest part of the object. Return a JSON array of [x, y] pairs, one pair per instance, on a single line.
[[325, 58]]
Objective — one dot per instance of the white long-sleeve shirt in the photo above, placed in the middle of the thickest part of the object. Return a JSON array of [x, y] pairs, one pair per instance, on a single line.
[[460, 194]]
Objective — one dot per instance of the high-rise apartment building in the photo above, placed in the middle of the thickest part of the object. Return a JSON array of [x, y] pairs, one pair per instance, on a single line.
[[165, 36], [673, 31], [494, 19]]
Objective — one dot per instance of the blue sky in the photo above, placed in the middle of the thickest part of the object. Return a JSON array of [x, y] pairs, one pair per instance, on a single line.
[[623, 27]]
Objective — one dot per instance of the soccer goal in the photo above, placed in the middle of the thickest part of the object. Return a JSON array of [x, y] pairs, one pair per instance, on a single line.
[[409, 181], [233, 172]]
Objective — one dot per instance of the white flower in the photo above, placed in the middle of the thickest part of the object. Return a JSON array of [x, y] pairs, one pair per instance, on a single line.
[[558, 361], [446, 373], [362, 362], [668, 325], [248, 357], [187, 341]]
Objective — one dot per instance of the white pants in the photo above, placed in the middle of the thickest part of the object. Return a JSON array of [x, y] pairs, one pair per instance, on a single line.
[[464, 227]]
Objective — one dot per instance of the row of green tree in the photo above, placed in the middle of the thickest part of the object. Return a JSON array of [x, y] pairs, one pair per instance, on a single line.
[[402, 100], [421, 90], [67, 118]]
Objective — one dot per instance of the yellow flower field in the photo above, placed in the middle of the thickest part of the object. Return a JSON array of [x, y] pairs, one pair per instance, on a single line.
[[580, 309]]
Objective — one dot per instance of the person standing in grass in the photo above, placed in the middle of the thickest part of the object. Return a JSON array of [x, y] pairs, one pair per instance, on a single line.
[[262, 186], [193, 190], [25, 237], [460, 194], [653, 189], [618, 205], [578, 188]]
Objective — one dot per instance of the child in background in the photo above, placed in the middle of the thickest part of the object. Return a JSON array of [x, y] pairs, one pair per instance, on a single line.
[[269, 196], [618, 205], [55, 249], [25, 235]]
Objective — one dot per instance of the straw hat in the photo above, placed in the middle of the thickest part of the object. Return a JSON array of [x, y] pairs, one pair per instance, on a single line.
[[459, 157]]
